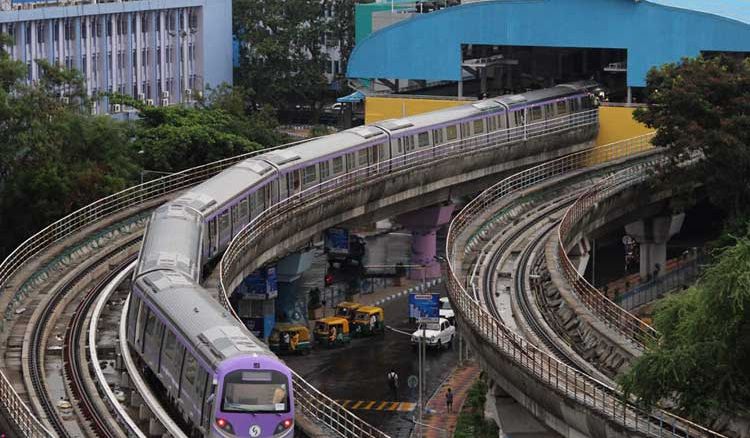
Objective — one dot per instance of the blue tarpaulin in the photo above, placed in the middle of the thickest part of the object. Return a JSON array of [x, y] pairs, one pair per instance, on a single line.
[[355, 97]]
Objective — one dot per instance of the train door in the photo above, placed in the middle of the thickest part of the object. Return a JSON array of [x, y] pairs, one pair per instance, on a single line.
[[210, 390], [201, 390], [225, 229], [293, 182], [351, 162], [465, 134], [152, 340], [140, 326], [235, 217], [274, 193], [213, 242], [244, 211], [134, 305], [187, 385], [373, 157]]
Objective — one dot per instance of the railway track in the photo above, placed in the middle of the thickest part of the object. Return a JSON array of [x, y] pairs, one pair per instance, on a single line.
[[99, 423]]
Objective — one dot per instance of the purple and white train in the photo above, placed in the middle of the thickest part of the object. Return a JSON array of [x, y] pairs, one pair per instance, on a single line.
[[219, 378]]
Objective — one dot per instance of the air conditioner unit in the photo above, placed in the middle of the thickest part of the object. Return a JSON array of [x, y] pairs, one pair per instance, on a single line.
[[165, 94], [116, 108], [164, 102], [149, 102], [188, 92], [141, 96]]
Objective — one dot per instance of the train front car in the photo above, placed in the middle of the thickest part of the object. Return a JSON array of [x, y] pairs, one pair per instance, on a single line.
[[254, 398]]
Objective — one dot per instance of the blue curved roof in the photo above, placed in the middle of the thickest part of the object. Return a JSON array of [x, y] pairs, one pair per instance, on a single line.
[[653, 32]]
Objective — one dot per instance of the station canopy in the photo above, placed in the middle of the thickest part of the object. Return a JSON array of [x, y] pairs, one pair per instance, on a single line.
[[649, 32]]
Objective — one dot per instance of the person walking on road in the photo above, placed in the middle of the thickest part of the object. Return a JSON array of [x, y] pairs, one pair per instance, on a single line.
[[449, 400], [393, 383]]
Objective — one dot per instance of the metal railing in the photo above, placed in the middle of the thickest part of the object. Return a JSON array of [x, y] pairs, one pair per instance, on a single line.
[[632, 328], [331, 413], [583, 389], [651, 290]]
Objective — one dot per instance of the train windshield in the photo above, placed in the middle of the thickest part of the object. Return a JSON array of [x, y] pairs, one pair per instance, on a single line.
[[255, 391]]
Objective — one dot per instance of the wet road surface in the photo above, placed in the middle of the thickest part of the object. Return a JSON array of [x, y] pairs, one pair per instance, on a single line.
[[358, 372]]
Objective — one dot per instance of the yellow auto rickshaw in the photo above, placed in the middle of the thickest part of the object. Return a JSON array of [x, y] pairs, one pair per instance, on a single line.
[[347, 309], [368, 321], [290, 338], [332, 331]]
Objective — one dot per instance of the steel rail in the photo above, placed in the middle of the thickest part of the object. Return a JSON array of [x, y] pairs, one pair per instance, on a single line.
[[563, 379], [121, 413], [73, 365]]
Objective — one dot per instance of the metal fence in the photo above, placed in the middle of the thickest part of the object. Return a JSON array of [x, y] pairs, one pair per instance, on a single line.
[[649, 291], [632, 328], [584, 390]]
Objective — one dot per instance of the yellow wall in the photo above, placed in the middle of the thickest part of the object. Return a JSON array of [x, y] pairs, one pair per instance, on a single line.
[[381, 108], [616, 123]]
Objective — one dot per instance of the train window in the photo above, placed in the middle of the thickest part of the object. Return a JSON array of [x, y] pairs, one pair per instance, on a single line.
[[451, 133], [536, 113], [574, 106], [519, 118], [212, 234], [350, 163], [256, 202], [338, 165], [382, 149], [478, 126], [362, 157], [309, 175], [191, 369], [500, 121], [561, 107], [139, 325], [324, 170], [424, 139]]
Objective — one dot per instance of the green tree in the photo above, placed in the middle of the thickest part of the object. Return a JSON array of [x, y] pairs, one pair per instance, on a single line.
[[54, 157], [281, 62], [342, 27], [702, 105], [178, 137], [701, 359]]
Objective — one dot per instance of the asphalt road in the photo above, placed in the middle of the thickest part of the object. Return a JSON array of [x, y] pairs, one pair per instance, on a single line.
[[358, 372]]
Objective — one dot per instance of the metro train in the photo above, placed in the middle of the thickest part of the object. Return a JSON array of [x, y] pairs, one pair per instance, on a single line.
[[221, 379]]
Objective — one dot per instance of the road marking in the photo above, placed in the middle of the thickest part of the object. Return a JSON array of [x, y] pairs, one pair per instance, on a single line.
[[367, 405]]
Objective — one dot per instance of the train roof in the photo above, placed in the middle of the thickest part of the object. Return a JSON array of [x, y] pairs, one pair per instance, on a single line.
[[199, 317], [222, 188], [319, 147], [173, 241]]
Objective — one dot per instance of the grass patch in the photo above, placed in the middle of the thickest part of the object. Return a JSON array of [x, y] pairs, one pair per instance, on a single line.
[[471, 421]]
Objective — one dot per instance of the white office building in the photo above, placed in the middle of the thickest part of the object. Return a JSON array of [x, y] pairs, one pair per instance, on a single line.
[[159, 51]]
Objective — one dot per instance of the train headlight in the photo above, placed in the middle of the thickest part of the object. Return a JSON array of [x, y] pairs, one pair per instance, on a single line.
[[284, 425], [225, 425]]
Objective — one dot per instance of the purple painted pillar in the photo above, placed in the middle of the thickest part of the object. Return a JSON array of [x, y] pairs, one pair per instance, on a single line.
[[423, 225]]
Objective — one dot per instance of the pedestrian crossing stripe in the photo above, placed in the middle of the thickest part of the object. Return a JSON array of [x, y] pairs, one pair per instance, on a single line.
[[369, 405]]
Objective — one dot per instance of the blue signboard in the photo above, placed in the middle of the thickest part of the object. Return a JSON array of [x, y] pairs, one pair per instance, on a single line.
[[337, 241], [260, 285], [424, 305]]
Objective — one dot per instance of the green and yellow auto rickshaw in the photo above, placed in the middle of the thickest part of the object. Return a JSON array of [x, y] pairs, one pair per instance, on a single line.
[[347, 309], [368, 321], [332, 331], [290, 338]]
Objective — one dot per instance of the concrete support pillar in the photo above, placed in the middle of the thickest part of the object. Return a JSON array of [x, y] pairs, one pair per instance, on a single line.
[[291, 304], [155, 428], [652, 235], [630, 96], [460, 87], [424, 224]]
